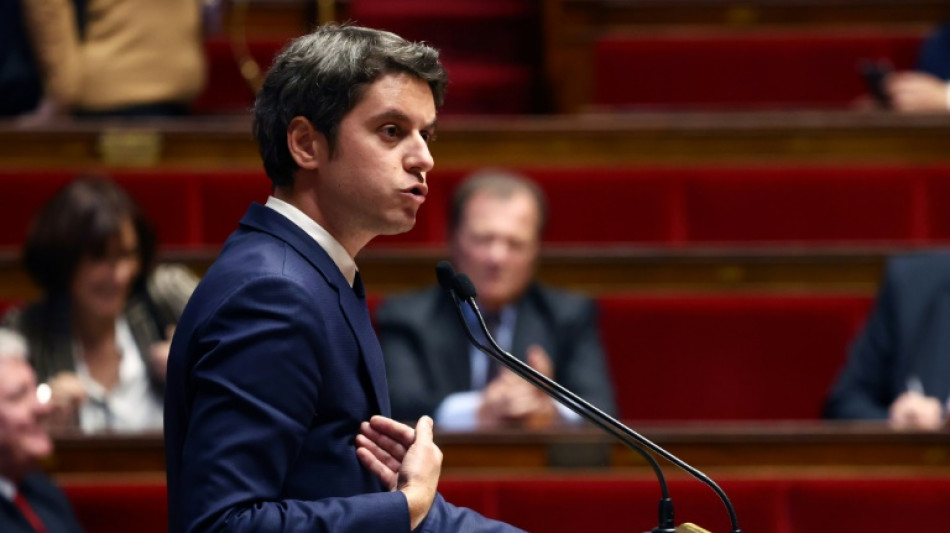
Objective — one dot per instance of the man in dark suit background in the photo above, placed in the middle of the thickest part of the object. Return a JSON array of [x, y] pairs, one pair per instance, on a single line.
[[899, 366], [276, 414], [29, 501], [495, 223]]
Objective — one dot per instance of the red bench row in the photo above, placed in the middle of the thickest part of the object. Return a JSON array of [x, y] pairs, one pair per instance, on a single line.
[[802, 68], [653, 206], [716, 357], [754, 69], [723, 357], [476, 85], [610, 503]]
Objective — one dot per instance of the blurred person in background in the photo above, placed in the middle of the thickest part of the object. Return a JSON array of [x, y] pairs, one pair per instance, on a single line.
[[495, 225], [29, 501], [899, 367], [117, 57], [926, 89], [99, 337], [20, 83]]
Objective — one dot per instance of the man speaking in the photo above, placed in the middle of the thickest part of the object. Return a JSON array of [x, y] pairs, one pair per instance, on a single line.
[[276, 414]]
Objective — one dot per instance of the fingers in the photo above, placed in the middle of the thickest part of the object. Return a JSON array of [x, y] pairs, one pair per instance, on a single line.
[[540, 361], [384, 449], [381, 470], [381, 447], [913, 410], [915, 91], [395, 431]]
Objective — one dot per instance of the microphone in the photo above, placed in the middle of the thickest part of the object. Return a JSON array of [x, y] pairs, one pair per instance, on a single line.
[[460, 287]]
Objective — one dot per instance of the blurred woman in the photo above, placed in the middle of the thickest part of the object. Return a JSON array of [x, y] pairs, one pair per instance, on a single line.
[[97, 338]]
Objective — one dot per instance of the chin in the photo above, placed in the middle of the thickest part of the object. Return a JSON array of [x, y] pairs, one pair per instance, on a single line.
[[110, 309], [398, 228]]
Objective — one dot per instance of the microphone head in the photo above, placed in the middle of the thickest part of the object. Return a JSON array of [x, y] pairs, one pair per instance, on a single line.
[[446, 275], [464, 287]]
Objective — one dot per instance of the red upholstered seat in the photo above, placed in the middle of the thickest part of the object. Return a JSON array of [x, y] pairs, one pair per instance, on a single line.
[[869, 505], [490, 48], [761, 204], [612, 502], [226, 91], [758, 69], [722, 357], [782, 204], [103, 507]]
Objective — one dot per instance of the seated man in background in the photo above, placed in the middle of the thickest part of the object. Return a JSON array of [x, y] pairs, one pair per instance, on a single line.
[[926, 89], [495, 226], [899, 367], [29, 501]]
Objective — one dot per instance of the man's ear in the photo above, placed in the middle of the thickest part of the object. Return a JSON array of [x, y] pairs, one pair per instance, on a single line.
[[307, 146]]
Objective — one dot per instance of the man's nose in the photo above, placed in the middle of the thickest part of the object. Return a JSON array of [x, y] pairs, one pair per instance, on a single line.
[[419, 159]]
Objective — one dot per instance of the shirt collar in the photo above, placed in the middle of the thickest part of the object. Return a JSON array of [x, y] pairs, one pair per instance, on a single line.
[[331, 246], [7, 488]]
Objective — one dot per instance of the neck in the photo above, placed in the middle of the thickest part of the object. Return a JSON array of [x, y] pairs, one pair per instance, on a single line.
[[93, 330], [12, 474], [308, 203]]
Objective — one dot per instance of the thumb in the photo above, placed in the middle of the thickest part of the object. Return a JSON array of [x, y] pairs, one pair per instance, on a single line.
[[424, 429]]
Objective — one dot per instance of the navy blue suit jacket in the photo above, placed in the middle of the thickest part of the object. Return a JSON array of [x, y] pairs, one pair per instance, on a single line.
[[935, 53], [273, 367], [906, 336], [47, 501]]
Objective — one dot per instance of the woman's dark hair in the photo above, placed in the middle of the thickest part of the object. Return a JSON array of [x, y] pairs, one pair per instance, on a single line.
[[78, 222]]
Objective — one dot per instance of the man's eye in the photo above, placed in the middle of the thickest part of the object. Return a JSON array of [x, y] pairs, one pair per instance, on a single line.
[[427, 136], [391, 132]]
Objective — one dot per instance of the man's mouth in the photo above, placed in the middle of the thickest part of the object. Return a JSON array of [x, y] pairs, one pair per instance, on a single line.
[[420, 190]]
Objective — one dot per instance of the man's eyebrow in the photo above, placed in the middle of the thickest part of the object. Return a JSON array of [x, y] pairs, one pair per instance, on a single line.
[[398, 116]]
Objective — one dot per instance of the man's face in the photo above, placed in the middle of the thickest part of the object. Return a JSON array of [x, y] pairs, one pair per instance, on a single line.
[[497, 244], [375, 180], [24, 439]]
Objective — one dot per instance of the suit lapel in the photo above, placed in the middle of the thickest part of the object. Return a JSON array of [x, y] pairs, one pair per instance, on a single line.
[[353, 308], [14, 518], [357, 315]]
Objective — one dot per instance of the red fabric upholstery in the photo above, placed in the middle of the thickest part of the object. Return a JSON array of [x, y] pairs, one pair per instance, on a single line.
[[225, 196], [490, 70], [168, 200], [605, 502], [23, 193], [804, 204], [748, 204], [869, 505], [758, 69], [226, 90], [589, 206], [712, 357], [103, 507]]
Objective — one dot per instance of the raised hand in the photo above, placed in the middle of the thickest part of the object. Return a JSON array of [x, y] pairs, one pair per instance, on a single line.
[[404, 459]]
